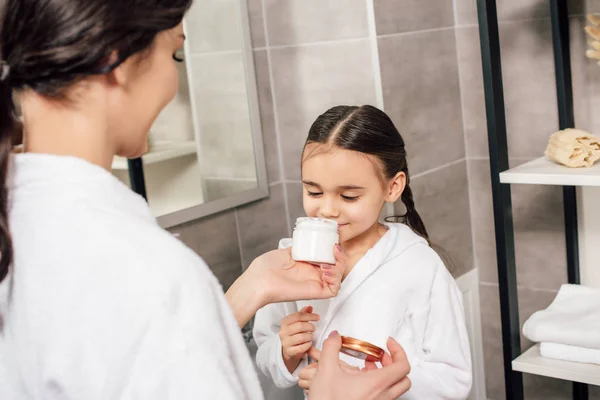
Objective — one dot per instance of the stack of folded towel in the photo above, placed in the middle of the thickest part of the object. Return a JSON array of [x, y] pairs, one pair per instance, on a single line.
[[569, 329]]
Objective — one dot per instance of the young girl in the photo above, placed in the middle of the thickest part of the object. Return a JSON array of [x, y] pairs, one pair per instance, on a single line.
[[395, 285]]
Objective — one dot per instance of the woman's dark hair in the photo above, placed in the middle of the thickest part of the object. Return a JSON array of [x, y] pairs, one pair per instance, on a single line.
[[48, 45], [368, 130]]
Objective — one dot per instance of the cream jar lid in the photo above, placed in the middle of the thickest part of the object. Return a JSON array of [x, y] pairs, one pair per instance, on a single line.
[[361, 349]]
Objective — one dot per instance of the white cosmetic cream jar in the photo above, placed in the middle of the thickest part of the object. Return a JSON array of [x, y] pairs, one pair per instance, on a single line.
[[314, 240]]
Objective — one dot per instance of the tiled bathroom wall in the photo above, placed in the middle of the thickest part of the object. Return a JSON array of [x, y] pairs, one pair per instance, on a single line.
[[421, 93]]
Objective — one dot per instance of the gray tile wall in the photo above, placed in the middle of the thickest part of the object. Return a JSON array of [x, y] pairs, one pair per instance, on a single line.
[[393, 17], [422, 94], [293, 22]]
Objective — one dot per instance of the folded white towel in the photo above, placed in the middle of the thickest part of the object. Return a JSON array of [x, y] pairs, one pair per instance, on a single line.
[[573, 318], [570, 353]]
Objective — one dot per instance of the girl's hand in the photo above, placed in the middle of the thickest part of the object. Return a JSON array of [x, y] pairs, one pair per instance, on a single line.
[[296, 334]]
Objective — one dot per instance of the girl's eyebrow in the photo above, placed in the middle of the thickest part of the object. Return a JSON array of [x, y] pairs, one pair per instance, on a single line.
[[351, 187], [309, 183], [344, 187]]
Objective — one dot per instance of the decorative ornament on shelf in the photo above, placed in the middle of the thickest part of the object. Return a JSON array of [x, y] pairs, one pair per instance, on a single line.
[[594, 33], [573, 148], [576, 148]]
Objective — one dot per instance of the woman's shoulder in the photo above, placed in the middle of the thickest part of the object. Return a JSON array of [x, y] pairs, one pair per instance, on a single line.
[[101, 271], [135, 252], [162, 258]]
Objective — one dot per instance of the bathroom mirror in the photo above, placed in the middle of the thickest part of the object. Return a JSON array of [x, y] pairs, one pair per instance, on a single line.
[[205, 149]]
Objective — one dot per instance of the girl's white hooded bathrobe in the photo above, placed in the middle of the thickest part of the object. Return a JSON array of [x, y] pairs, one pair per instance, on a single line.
[[402, 289]]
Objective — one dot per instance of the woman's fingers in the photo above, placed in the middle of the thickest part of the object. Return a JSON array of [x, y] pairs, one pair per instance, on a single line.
[[369, 365], [306, 375], [332, 274], [314, 353], [399, 389]]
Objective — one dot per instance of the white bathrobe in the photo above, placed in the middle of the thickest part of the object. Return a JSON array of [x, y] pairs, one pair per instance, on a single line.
[[400, 288], [104, 304]]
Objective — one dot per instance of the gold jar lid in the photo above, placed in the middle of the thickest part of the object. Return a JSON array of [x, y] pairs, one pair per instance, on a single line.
[[361, 349]]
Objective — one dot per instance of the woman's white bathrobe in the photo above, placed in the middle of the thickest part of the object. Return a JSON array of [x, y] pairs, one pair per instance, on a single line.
[[400, 288], [103, 303]]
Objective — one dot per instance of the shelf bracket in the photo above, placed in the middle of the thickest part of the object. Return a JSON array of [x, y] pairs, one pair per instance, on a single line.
[[559, 15], [503, 221]]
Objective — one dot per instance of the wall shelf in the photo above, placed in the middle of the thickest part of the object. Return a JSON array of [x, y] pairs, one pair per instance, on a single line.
[[533, 363], [161, 151], [543, 171]]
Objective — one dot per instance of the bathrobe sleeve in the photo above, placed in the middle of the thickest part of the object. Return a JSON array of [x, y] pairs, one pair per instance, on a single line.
[[269, 357], [439, 353], [186, 348]]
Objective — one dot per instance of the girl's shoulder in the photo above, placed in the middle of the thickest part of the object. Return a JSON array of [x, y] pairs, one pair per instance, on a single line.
[[416, 255]]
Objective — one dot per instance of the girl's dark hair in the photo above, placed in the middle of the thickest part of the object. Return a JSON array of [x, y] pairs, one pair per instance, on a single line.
[[368, 130], [48, 45]]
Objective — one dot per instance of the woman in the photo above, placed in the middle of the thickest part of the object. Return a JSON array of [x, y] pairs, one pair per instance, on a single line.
[[96, 301]]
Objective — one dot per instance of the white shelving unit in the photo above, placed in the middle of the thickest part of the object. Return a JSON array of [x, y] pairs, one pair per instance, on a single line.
[[543, 171], [161, 151], [580, 190], [532, 362]]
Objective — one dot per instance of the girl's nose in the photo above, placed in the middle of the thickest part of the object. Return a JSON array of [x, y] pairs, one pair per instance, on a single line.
[[329, 210]]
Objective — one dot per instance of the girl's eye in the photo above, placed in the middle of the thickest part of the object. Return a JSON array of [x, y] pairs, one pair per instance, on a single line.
[[177, 59], [314, 194], [350, 198]]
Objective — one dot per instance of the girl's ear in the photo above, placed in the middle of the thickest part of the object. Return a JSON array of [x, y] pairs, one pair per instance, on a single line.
[[395, 187]]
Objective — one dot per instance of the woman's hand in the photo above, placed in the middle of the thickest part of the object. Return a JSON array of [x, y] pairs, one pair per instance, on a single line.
[[308, 373], [280, 278], [306, 376], [333, 381], [275, 277]]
